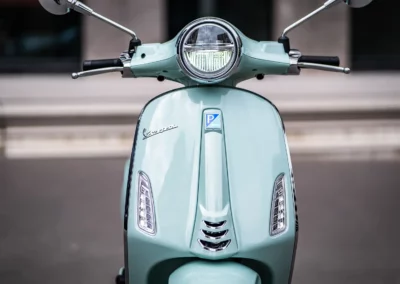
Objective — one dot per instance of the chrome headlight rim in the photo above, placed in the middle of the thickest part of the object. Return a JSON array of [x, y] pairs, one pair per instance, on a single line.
[[237, 49]]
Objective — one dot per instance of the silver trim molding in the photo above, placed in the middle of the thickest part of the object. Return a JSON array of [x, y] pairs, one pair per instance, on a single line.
[[226, 244]]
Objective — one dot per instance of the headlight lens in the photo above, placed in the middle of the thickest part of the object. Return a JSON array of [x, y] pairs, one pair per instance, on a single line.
[[209, 50]]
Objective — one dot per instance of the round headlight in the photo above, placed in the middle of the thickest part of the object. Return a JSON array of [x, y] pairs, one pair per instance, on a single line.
[[209, 50]]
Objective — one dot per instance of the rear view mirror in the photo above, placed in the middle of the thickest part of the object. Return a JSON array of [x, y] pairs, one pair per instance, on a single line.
[[55, 7], [357, 3]]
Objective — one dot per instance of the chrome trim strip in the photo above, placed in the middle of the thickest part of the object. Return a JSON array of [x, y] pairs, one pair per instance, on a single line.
[[214, 249], [225, 232], [219, 226]]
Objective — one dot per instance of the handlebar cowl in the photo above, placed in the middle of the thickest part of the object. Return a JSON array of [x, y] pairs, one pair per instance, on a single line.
[[102, 63]]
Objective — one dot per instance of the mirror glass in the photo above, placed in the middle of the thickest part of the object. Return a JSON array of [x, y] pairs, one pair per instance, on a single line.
[[357, 3], [54, 6]]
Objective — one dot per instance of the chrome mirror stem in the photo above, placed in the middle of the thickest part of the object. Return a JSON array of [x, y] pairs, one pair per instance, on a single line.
[[326, 5], [83, 9]]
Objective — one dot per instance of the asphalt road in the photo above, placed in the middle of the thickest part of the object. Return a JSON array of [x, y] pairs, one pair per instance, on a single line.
[[59, 221]]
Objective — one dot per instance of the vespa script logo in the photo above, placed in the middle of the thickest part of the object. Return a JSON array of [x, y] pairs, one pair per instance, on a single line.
[[148, 134]]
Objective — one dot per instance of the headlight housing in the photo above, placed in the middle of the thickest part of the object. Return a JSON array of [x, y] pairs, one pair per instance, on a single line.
[[209, 50]]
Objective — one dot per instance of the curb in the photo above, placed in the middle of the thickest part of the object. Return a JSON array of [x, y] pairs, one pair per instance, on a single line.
[[334, 139], [54, 116]]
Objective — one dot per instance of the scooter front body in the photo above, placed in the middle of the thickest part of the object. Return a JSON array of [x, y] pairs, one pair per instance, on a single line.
[[208, 194], [200, 185]]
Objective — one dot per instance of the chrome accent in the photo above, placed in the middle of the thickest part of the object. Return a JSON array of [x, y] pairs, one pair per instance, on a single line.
[[96, 72], [214, 225], [148, 134], [83, 9], [326, 5], [324, 67], [126, 62], [294, 56], [214, 235], [292, 182], [80, 7], [209, 20], [214, 247]]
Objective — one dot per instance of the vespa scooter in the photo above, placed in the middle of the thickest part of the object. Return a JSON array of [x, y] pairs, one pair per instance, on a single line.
[[208, 194]]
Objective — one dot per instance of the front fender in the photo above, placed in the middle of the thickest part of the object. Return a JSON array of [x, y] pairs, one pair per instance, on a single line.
[[208, 272]]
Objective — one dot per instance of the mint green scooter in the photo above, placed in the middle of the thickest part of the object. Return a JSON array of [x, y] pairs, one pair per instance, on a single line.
[[208, 194]]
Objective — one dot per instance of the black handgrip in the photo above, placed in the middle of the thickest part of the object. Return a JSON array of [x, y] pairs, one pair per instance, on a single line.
[[102, 63], [326, 60]]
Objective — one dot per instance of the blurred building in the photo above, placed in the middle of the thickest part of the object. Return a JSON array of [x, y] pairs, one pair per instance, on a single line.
[[32, 40]]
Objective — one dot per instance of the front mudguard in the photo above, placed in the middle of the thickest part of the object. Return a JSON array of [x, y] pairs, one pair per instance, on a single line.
[[207, 272]]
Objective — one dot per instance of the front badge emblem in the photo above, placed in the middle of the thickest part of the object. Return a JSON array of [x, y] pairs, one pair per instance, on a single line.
[[148, 134], [213, 121]]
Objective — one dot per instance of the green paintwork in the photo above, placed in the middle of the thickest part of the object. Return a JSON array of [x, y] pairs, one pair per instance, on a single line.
[[206, 272], [213, 201], [252, 151], [257, 57]]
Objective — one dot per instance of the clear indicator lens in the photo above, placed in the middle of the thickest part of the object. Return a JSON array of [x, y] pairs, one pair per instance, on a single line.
[[278, 210], [146, 214]]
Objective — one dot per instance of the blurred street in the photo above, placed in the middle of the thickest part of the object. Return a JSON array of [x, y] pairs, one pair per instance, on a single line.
[[63, 142], [60, 221]]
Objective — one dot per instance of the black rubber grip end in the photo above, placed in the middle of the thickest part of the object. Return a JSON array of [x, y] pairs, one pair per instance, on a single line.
[[326, 60], [102, 63]]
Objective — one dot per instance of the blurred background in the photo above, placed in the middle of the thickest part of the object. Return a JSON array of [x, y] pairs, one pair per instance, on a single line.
[[63, 142]]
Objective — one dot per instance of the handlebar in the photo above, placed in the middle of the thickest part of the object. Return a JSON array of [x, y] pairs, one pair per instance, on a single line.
[[323, 67], [325, 60], [102, 63], [297, 62], [323, 63], [97, 72]]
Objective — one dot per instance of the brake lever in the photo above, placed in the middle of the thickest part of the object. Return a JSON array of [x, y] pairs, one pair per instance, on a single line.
[[323, 67], [96, 72]]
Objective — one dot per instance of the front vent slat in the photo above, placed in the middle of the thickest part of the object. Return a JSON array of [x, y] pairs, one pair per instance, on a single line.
[[214, 235], [214, 225], [214, 246]]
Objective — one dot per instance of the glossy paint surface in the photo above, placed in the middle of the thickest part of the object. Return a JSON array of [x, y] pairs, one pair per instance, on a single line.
[[200, 272], [256, 57], [245, 156]]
